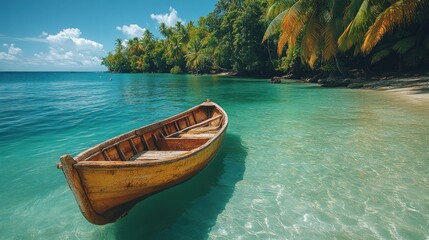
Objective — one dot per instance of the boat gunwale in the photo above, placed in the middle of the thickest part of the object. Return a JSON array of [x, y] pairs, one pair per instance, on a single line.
[[81, 164]]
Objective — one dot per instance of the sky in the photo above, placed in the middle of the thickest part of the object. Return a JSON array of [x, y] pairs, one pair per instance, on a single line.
[[48, 35]]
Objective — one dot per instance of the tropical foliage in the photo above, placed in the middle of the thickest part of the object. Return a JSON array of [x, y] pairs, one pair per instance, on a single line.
[[227, 39], [326, 35], [322, 30]]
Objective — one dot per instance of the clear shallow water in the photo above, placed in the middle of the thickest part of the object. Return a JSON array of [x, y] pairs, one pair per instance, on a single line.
[[299, 162]]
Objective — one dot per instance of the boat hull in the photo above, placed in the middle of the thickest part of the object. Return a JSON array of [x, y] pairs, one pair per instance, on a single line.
[[106, 190], [110, 188]]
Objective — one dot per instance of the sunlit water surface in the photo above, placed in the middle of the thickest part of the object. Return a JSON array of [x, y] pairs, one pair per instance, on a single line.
[[298, 162]]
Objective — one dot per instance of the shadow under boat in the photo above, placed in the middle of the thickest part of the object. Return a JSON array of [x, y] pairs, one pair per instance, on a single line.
[[190, 209]]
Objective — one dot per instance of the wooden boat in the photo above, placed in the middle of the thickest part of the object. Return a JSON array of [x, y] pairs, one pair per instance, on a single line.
[[109, 179]]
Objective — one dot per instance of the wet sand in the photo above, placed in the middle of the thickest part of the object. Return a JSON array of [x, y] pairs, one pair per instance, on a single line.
[[413, 88]]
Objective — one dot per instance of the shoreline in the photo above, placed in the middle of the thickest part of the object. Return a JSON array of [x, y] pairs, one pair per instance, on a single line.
[[413, 87]]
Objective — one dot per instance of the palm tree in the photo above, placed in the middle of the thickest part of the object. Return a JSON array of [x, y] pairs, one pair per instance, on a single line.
[[276, 12], [118, 46], [174, 50], [196, 56], [146, 40], [134, 47], [368, 22], [400, 13], [313, 25], [322, 28], [164, 30], [182, 32]]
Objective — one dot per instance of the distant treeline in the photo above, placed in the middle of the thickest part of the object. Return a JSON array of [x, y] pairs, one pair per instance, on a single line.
[[263, 37]]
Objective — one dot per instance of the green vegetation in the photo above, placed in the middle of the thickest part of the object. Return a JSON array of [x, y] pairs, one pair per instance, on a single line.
[[354, 30], [309, 35]]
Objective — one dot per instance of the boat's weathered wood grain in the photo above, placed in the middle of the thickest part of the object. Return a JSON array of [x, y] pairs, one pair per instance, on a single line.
[[199, 135], [194, 126], [111, 177], [78, 190], [108, 187], [210, 129], [180, 144], [157, 155]]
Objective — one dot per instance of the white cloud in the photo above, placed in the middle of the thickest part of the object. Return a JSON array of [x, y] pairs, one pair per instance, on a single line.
[[68, 48], [12, 53], [70, 37], [133, 30], [170, 19], [14, 50]]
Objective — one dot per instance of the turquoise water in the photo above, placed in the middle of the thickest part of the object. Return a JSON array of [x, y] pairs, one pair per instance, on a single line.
[[299, 161]]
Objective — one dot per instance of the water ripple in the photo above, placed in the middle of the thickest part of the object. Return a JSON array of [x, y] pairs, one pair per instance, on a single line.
[[310, 163]]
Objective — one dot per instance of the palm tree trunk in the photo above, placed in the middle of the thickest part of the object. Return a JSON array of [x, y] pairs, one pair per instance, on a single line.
[[337, 64], [400, 63], [269, 52]]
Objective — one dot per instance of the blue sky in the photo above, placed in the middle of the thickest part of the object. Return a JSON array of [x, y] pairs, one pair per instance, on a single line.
[[48, 35]]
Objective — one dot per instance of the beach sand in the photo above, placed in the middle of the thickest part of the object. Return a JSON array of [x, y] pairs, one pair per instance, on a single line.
[[410, 88]]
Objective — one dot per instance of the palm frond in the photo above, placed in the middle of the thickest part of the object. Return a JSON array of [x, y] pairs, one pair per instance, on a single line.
[[399, 13], [351, 10], [277, 7], [356, 50], [290, 27], [330, 35], [292, 24], [310, 40], [404, 44], [380, 55], [274, 25], [355, 30], [330, 46], [283, 39]]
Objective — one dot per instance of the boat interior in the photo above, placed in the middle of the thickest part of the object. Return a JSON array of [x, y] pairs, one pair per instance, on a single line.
[[163, 140]]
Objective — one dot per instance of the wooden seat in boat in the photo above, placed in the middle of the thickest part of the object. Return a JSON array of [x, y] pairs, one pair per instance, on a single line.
[[209, 129], [197, 136], [109, 178], [156, 155]]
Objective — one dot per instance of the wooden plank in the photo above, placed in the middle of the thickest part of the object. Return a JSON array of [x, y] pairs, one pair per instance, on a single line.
[[165, 130], [106, 156], [171, 128], [75, 184], [210, 129], [188, 123], [193, 116], [126, 149], [195, 126], [133, 147], [113, 154], [113, 187], [138, 144], [145, 146], [201, 114], [201, 135], [182, 123], [155, 141], [97, 157], [177, 126], [175, 120], [180, 144], [156, 155]]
